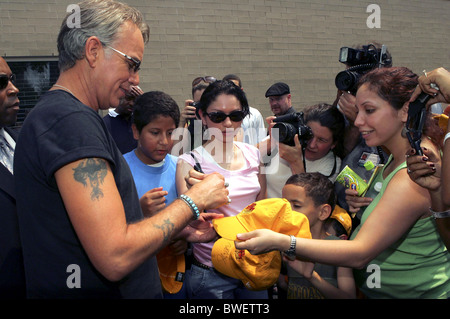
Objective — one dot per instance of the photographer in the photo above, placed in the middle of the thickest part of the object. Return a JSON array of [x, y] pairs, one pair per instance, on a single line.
[[279, 95], [358, 61], [316, 151], [189, 119]]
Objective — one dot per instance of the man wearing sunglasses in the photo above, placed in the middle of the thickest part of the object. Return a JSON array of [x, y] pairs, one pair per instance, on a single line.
[[12, 276], [83, 231]]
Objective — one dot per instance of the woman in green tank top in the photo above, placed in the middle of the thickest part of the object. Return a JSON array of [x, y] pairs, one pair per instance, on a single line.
[[396, 250]]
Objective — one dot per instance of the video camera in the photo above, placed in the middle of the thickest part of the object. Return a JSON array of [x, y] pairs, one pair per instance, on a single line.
[[290, 124], [359, 61]]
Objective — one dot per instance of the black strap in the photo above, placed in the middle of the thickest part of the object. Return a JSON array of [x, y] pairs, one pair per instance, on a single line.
[[197, 165]]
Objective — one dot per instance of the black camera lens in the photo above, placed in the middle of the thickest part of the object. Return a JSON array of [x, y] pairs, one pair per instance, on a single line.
[[285, 133], [347, 80], [288, 125]]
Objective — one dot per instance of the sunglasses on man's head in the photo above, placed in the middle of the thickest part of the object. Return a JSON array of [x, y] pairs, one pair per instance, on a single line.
[[4, 79], [206, 79], [218, 117]]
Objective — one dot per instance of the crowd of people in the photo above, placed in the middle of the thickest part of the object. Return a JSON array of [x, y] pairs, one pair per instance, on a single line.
[[98, 207]]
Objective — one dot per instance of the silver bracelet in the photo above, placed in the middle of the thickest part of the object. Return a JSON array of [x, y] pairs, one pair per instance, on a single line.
[[443, 214], [447, 136], [291, 251]]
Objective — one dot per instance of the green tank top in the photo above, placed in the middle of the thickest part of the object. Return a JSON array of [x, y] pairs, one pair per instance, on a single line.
[[416, 266]]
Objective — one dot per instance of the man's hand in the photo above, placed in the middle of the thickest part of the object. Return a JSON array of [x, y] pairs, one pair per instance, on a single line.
[[347, 106], [207, 190]]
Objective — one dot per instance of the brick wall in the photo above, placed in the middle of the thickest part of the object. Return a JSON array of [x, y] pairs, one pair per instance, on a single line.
[[263, 41]]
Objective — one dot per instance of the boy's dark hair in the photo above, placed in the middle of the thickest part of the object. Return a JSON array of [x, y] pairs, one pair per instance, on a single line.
[[152, 104], [317, 186]]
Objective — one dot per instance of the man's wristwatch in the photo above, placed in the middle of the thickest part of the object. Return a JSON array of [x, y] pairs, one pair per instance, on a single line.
[[291, 251]]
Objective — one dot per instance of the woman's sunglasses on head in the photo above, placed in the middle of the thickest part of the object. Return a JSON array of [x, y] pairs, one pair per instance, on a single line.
[[4, 79], [206, 79], [218, 117]]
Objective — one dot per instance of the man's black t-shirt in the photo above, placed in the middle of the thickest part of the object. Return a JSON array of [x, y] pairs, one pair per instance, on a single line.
[[60, 130], [120, 129]]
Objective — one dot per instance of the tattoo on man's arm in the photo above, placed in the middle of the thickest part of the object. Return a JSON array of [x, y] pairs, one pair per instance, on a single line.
[[92, 171], [166, 228]]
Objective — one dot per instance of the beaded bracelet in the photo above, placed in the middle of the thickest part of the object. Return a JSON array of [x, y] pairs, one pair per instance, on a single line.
[[191, 204]]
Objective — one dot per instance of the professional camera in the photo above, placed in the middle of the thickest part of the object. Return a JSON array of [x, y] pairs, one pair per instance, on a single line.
[[416, 120], [359, 61], [196, 104], [290, 124], [191, 121]]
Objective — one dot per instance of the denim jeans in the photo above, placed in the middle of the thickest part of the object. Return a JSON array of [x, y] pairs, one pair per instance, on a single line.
[[211, 284]]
